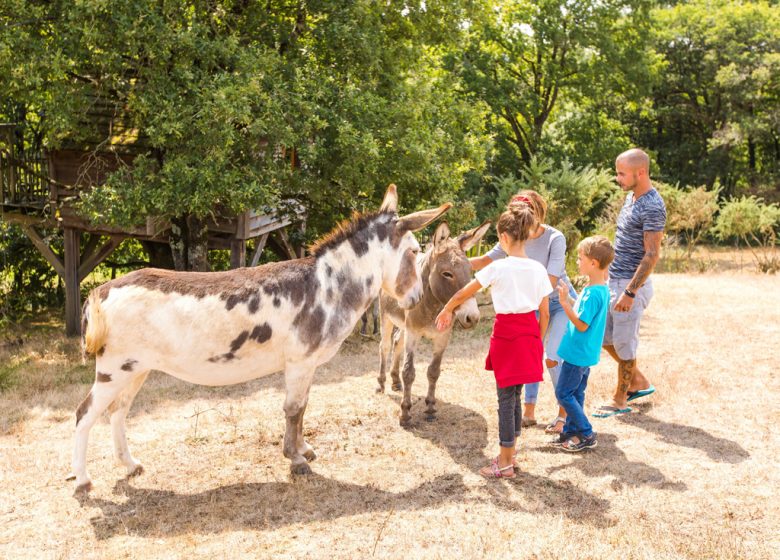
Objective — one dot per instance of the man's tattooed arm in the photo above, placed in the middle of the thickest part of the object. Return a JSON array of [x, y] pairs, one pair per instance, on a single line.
[[652, 240]]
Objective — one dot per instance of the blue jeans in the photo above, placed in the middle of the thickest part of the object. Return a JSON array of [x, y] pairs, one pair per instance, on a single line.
[[510, 414], [552, 340], [570, 392]]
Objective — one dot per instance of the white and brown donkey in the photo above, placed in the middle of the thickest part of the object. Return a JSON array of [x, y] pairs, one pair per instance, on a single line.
[[445, 269], [221, 328]]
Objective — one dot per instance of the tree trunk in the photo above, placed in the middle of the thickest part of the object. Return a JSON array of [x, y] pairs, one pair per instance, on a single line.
[[159, 254], [189, 243], [752, 155]]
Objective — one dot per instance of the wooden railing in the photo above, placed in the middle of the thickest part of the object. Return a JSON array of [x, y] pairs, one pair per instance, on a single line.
[[24, 174]]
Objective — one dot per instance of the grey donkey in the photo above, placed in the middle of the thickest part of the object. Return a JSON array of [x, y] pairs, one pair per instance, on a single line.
[[444, 269]]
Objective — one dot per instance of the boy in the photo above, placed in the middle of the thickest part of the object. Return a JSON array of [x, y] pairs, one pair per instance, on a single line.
[[581, 344]]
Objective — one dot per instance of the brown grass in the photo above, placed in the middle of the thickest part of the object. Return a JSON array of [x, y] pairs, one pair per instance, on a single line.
[[692, 474]]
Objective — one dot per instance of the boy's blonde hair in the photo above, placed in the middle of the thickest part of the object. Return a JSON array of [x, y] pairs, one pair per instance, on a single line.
[[597, 247], [517, 222]]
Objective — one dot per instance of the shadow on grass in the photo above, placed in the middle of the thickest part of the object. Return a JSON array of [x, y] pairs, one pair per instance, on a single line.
[[608, 460], [463, 434], [718, 449], [257, 506]]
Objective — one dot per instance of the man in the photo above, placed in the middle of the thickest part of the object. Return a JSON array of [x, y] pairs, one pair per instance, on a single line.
[[640, 228]]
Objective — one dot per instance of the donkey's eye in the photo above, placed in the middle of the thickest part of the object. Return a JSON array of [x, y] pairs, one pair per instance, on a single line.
[[448, 275], [415, 250]]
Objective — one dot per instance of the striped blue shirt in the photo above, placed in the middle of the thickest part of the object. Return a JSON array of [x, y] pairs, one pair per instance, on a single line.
[[647, 213]]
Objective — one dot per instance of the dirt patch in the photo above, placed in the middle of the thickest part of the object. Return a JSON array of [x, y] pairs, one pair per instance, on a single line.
[[691, 474]]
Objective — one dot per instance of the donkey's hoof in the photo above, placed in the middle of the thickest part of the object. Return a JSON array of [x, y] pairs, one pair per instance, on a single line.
[[405, 422], [430, 417], [380, 389], [300, 468], [83, 489], [310, 455], [137, 471], [397, 387]]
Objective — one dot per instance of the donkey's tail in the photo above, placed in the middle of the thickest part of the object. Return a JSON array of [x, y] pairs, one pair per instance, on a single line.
[[94, 328]]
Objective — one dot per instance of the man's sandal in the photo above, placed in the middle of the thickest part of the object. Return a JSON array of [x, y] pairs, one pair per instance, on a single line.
[[494, 471], [552, 427]]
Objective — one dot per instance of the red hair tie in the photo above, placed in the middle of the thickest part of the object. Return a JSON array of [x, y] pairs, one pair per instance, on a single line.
[[520, 198]]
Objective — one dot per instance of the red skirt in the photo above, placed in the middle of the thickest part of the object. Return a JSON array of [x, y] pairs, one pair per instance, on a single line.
[[516, 351]]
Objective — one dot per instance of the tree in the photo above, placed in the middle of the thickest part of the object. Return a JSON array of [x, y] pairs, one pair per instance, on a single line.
[[716, 113], [239, 105], [522, 58]]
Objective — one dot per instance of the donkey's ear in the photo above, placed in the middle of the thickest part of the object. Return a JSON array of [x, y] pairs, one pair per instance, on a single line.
[[441, 234], [390, 202], [469, 238], [418, 220]]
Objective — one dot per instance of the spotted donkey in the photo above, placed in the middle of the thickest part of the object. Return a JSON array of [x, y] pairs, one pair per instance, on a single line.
[[221, 328], [445, 269]]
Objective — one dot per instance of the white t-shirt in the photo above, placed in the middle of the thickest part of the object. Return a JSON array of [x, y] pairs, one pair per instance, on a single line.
[[517, 285]]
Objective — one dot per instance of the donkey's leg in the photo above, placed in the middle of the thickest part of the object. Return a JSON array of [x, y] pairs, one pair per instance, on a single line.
[[100, 396], [434, 370], [399, 341], [303, 447], [118, 410], [410, 343], [385, 345], [297, 379]]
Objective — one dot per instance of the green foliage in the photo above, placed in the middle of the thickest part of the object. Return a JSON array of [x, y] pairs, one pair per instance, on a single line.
[[521, 58], [27, 282], [715, 110], [754, 222], [240, 105]]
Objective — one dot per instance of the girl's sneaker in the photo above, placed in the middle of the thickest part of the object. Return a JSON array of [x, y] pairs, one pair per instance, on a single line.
[[584, 443]]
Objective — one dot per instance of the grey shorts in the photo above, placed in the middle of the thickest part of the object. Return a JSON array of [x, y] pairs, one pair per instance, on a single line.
[[622, 330]]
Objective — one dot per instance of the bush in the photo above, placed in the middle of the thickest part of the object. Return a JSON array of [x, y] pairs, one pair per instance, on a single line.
[[755, 223], [690, 213], [576, 196]]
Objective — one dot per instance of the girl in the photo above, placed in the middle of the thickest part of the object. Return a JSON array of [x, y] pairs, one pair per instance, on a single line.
[[547, 246], [519, 288]]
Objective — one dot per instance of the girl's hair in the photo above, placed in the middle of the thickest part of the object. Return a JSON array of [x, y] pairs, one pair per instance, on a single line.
[[597, 247], [517, 222], [533, 200]]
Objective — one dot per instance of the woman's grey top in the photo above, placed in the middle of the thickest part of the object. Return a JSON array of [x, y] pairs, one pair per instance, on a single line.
[[549, 249]]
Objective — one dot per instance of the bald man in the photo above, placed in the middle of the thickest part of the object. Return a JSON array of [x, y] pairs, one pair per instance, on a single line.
[[640, 228]]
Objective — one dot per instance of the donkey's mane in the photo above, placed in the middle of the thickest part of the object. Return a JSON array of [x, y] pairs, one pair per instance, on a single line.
[[344, 230]]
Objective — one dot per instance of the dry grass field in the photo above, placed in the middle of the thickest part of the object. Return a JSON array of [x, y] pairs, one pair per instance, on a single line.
[[692, 473]]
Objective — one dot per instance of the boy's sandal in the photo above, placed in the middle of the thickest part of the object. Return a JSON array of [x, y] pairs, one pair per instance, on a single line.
[[494, 471], [553, 427]]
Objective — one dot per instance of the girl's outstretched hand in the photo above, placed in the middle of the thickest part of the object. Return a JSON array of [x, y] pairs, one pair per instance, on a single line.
[[444, 320]]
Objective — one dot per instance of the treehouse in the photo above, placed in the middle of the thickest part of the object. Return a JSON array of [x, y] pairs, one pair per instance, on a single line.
[[39, 189]]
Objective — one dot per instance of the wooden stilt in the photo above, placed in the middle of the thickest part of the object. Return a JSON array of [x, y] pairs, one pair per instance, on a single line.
[[259, 246], [71, 278], [237, 253]]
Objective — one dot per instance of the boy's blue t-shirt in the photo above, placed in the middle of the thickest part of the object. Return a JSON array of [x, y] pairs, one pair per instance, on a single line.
[[583, 348]]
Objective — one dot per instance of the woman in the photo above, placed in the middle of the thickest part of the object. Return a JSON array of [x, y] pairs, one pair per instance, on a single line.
[[547, 246]]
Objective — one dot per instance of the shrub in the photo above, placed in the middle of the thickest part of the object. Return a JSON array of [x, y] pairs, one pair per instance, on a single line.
[[690, 213], [576, 196], [752, 221]]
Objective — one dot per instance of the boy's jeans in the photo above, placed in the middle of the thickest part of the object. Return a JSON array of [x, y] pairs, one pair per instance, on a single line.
[[552, 340], [510, 414], [570, 392]]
